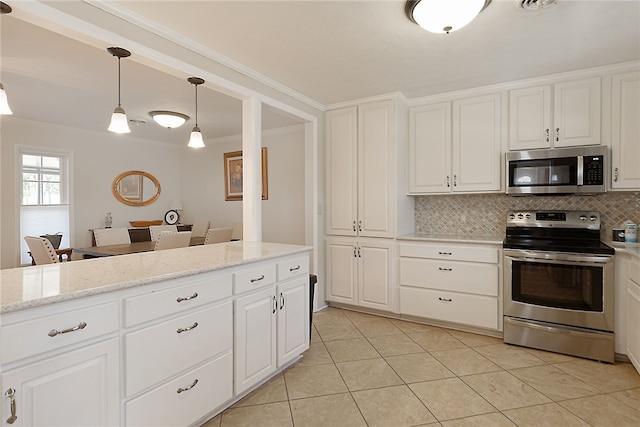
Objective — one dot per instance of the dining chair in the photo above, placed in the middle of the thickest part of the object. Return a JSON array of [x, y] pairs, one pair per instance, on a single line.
[[171, 240], [218, 235], [200, 228], [155, 230], [237, 231], [112, 236], [42, 250]]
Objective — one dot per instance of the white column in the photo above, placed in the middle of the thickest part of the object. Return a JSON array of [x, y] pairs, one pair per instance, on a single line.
[[252, 169]]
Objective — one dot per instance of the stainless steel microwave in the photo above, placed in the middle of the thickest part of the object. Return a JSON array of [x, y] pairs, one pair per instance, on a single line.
[[557, 171]]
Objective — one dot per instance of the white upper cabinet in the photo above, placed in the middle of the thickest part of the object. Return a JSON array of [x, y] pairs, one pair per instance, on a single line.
[[625, 131], [566, 114], [360, 170], [456, 146]]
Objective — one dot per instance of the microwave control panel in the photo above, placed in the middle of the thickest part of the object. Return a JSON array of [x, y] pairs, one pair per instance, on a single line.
[[593, 170]]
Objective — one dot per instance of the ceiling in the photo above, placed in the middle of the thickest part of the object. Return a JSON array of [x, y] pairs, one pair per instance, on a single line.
[[328, 51]]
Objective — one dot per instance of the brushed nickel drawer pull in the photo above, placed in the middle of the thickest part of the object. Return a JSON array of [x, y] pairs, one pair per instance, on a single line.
[[11, 394], [275, 304], [445, 269], [445, 299], [195, 295], [258, 279], [444, 253], [281, 301], [52, 333], [294, 268], [181, 330], [180, 390]]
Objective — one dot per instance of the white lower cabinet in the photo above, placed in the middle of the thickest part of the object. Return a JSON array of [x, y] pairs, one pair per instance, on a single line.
[[360, 272], [293, 319], [633, 313], [450, 282], [78, 388]]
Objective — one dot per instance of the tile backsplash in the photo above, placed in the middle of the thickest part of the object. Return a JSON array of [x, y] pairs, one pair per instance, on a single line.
[[485, 214]]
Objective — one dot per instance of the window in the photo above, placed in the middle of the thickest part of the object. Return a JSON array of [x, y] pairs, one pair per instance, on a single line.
[[44, 196]]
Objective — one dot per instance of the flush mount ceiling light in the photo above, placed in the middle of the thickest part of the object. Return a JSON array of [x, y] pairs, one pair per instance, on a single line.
[[533, 5], [195, 140], [169, 119], [4, 103], [444, 16], [119, 122]]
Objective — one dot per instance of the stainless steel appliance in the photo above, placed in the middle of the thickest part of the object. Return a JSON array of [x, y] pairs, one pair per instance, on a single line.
[[557, 171], [558, 284]]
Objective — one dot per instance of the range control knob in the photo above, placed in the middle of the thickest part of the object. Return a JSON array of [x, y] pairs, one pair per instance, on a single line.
[[583, 217], [512, 216], [520, 216], [593, 217], [528, 216]]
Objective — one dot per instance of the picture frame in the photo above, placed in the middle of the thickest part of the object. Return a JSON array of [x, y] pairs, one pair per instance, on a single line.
[[130, 188], [233, 175]]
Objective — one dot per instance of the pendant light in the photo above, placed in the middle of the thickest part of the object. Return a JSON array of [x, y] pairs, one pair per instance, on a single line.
[[444, 16], [4, 103], [119, 122], [195, 140]]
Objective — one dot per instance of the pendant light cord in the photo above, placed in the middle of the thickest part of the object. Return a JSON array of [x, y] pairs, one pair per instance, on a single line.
[[196, 105], [119, 105]]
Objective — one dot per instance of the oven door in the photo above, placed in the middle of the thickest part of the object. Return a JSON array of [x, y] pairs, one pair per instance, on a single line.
[[564, 288]]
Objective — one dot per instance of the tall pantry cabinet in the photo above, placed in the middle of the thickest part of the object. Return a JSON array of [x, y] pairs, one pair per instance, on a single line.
[[366, 202]]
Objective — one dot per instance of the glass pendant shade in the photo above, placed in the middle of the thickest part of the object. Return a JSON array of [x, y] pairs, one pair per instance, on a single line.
[[119, 122], [195, 140], [444, 16], [4, 103]]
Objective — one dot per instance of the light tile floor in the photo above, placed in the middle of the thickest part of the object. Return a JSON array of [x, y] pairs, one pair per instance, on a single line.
[[364, 370]]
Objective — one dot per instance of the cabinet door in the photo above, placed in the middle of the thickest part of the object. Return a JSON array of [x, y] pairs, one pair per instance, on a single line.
[[530, 118], [576, 113], [430, 149], [625, 138], [78, 388], [293, 319], [477, 144], [376, 163], [374, 274], [633, 320], [255, 338], [341, 270], [341, 171]]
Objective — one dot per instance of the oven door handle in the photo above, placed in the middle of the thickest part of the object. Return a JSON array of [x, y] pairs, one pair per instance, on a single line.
[[557, 257]]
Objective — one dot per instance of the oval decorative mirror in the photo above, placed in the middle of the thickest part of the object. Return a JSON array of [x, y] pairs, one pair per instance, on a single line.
[[136, 188]]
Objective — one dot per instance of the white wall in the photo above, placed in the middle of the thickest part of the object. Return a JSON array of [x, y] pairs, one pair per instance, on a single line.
[[283, 214], [98, 157]]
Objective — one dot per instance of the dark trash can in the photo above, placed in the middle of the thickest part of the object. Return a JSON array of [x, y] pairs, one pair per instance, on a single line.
[[313, 279]]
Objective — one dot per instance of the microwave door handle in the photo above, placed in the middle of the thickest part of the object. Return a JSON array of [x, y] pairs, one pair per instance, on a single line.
[[580, 171]]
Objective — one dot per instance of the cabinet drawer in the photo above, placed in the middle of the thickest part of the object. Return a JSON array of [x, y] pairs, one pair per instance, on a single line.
[[472, 310], [254, 278], [450, 252], [195, 293], [164, 406], [293, 267], [32, 337], [159, 351], [468, 277], [634, 271]]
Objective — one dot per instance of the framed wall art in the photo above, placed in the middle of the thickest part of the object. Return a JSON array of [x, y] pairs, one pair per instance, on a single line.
[[233, 175]]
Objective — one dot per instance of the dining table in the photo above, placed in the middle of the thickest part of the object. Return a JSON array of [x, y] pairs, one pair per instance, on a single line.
[[126, 248]]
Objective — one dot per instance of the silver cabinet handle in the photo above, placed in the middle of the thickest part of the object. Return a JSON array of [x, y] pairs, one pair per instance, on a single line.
[[281, 300], [181, 330], [195, 295], [275, 304], [448, 185], [445, 269], [11, 394], [52, 333], [547, 133], [445, 299], [294, 268], [615, 175], [258, 279], [444, 253], [193, 384], [455, 181], [359, 253], [360, 225], [557, 134], [354, 225]]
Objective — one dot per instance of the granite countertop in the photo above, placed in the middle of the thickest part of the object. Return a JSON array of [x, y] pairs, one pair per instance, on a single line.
[[452, 238], [26, 287]]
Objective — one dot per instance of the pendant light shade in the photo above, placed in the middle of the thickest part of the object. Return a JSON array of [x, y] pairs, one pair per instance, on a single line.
[[444, 16], [195, 140], [119, 122], [4, 103]]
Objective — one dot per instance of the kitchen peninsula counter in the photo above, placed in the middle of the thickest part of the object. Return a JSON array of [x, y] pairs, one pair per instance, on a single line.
[[28, 287]]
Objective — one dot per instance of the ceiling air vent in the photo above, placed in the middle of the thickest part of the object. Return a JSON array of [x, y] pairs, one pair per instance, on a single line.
[[533, 5]]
